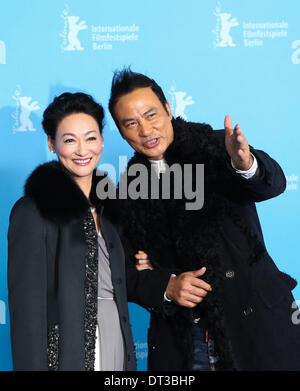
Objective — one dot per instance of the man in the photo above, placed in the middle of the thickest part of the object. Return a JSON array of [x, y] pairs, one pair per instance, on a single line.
[[226, 305]]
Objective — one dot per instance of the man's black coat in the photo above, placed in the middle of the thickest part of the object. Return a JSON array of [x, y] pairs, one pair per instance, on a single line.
[[250, 312]]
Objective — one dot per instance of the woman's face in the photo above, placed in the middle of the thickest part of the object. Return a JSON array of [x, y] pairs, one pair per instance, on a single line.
[[78, 144]]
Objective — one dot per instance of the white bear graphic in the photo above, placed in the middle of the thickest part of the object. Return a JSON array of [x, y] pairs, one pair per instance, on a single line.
[[226, 25], [26, 109], [181, 102], [2, 312], [74, 28], [296, 54], [2, 53]]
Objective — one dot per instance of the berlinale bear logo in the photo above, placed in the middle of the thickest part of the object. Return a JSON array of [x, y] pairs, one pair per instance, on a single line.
[[223, 27], [2, 53], [179, 102], [24, 107], [296, 53], [72, 27], [226, 25], [2, 312]]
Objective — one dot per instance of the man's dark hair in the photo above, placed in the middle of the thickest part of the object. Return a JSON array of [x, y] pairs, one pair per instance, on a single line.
[[126, 81], [70, 103]]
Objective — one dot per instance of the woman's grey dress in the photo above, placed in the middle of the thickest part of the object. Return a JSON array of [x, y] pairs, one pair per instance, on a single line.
[[109, 342]]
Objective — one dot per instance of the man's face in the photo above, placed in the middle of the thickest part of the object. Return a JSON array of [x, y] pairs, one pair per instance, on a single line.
[[144, 123]]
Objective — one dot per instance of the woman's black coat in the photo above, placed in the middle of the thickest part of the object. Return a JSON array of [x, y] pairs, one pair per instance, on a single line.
[[52, 275], [250, 314]]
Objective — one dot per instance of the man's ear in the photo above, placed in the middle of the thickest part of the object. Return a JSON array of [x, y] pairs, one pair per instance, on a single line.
[[168, 108]]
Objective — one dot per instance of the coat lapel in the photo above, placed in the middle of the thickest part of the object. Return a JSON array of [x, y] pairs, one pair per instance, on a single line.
[[71, 297]]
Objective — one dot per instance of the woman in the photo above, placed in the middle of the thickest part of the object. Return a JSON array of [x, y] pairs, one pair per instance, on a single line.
[[58, 238]]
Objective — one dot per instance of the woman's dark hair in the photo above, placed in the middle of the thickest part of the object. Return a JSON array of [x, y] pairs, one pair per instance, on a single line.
[[66, 104], [126, 81]]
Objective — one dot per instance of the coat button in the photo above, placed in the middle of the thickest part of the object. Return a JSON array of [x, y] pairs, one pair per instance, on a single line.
[[229, 273], [247, 311], [124, 318], [118, 280]]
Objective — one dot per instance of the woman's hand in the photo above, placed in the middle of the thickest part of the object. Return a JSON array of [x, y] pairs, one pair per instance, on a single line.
[[142, 262]]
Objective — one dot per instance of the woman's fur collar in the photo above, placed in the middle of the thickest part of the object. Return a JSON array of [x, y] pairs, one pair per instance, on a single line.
[[57, 195]]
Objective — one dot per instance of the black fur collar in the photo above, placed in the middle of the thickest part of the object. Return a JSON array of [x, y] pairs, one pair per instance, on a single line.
[[57, 195]]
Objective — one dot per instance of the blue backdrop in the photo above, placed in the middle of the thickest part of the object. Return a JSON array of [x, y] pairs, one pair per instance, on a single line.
[[211, 57]]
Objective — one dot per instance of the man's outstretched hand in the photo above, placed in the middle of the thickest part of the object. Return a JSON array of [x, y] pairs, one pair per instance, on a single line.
[[237, 146]]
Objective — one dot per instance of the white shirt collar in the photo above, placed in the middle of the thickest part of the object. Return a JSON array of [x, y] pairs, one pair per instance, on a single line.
[[159, 166]]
